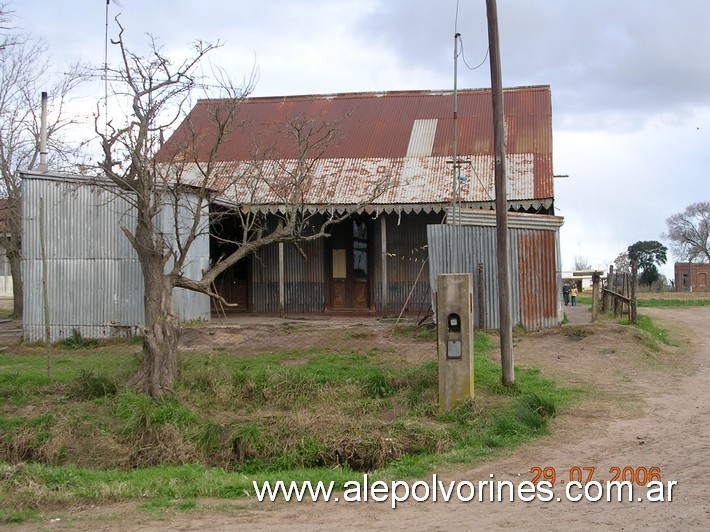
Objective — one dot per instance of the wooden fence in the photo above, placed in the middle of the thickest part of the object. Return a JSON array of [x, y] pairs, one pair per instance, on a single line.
[[619, 293]]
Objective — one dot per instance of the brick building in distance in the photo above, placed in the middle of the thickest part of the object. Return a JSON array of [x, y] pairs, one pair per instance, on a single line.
[[691, 277]]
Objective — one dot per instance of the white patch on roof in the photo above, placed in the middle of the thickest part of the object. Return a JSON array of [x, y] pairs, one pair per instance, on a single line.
[[421, 140]]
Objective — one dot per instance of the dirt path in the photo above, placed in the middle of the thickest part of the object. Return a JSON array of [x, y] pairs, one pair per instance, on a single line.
[[647, 412]]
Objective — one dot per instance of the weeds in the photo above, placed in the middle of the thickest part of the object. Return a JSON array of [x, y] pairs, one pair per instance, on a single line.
[[650, 334], [91, 385], [76, 341], [319, 413]]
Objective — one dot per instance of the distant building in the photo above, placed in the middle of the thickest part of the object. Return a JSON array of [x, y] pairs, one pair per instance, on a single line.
[[5, 275], [691, 277]]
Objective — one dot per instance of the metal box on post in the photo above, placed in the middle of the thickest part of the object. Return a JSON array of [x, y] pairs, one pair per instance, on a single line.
[[454, 313]]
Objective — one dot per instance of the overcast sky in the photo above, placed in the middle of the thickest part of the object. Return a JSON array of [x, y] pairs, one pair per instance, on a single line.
[[630, 80]]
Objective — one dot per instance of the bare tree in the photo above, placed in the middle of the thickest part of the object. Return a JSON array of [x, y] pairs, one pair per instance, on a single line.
[[689, 232], [23, 77], [6, 37], [581, 263], [181, 179], [622, 263]]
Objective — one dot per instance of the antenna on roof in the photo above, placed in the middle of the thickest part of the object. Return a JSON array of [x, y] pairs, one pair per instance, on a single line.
[[456, 248], [106, 72], [455, 190]]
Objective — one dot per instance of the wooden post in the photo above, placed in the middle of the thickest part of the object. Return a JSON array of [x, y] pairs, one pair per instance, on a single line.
[[632, 304], [383, 246], [501, 200], [282, 283], [481, 298], [596, 289], [607, 297], [45, 292]]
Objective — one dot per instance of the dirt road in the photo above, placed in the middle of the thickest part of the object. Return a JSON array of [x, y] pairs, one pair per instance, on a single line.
[[648, 412]]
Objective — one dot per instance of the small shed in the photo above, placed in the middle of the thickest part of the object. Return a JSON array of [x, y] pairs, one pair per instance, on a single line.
[[94, 283]]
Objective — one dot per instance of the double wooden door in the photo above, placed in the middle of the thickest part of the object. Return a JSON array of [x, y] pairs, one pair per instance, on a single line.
[[350, 265]]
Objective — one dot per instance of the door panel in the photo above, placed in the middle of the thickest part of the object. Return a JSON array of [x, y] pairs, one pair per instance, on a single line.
[[350, 286]]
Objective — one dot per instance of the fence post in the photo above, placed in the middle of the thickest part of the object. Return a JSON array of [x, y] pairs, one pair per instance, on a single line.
[[607, 297], [596, 286], [481, 291], [632, 304]]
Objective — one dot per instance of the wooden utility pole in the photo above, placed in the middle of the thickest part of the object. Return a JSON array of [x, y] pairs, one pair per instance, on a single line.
[[504, 299]]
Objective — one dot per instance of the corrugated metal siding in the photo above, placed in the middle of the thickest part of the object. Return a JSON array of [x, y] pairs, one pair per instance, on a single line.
[[265, 280], [94, 280], [305, 277], [532, 256], [537, 278], [406, 254]]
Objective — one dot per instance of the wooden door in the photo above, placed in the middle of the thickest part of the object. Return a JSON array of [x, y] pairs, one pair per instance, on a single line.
[[233, 286], [350, 265]]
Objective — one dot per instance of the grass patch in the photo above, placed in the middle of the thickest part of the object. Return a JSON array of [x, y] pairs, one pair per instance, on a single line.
[[584, 300], [650, 334], [312, 414], [665, 303], [424, 333]]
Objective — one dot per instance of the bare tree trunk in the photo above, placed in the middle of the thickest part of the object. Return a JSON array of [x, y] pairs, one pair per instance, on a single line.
[[159, 370]]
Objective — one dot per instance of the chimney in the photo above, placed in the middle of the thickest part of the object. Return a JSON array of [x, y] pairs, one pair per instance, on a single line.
[[43, 136]]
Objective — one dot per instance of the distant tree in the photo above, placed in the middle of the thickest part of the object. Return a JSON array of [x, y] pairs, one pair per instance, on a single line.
[[581, 263], [646, 254], [5, 27], [660, 283], [622, 264], [23, 77], [689, 232]]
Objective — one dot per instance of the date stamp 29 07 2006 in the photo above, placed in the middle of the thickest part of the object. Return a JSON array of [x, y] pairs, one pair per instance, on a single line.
[[583, 479]]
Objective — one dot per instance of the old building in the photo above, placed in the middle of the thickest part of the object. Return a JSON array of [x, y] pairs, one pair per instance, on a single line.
[[692, 277], [386, 163], [377, 262]]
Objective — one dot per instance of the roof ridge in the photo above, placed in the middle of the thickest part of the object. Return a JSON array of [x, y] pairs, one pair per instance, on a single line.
[[379, 94]]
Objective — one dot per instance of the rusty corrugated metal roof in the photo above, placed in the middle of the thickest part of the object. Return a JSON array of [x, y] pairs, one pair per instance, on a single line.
[[405, 137]]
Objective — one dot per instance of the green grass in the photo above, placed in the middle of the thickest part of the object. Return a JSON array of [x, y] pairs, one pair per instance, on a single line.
[[653, 302], [316, 414], [651, 335]]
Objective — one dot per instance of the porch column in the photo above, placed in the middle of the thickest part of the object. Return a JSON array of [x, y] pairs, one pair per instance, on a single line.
[[383, 242], [282, 282]]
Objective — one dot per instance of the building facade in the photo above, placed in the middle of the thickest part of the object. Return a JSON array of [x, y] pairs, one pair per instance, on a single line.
[[692, 277]]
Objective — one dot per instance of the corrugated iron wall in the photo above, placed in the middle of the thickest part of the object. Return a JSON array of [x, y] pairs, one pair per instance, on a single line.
[[304, 277], [406, 257], [537, 278], [94, 280], [533, 259]]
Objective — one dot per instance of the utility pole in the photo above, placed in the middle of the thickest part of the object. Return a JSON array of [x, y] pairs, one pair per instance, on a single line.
[[456, 248], [504, 299]]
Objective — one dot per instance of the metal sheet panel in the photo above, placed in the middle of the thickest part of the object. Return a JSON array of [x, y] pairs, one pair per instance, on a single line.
[[94, 280], [421, 140], [533, 269], [402, 181]]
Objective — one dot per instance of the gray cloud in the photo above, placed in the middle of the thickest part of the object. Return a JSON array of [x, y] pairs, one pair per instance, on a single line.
[[631, 58]]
